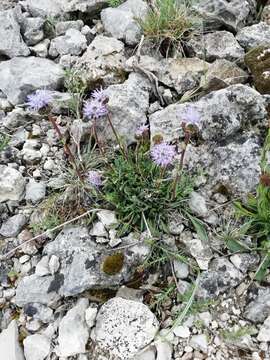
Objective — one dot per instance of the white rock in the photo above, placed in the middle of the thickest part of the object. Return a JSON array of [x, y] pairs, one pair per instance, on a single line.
[[36, 347], [12, 184], [90, 316], [197, 204], [11, 43], [73, 330], [107, 218], [99, 230], [181, 269], [199, 342], [264, 334], [164, 350], [54, 264], [124, 327], [42, 267], [181, 331], [72, 43], [9, 343], [149, 354]]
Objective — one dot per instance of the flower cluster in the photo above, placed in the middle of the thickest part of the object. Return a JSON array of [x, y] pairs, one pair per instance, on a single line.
[[163, 154], [96, 107], [39, 100], [94, 178], [143, 129], [191, 117]]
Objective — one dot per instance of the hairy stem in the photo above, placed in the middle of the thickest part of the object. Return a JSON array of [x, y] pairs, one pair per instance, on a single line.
[[123, 150], [71, 157]]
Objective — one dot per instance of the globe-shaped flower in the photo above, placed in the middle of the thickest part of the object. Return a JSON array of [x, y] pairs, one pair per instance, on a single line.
[[99, 95], [191, 117], [163, 154], [94, 178], [39, 100], [143, 129], [94, 109]]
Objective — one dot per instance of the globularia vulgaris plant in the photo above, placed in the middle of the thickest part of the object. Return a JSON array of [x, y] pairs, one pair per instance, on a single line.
[[137, 181]]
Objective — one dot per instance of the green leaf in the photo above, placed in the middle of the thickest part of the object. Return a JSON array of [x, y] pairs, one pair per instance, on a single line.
[[261, 272], [199, 227]]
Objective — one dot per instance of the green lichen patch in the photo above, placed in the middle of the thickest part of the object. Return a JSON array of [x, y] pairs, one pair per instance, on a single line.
[[113, 264]]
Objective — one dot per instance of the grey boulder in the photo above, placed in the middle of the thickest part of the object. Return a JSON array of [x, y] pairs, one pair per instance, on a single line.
[[103, 61], [9, 343], [11, 44], [254, 35], [87, 265], [223, 113], [22, 76], [124, 328], [12, 184], [221, 276], [233, 167], [72, 43], [181, 74], [259, 307], [73, 339], [128, 104], [233, 14], [217, 45], [122, 22], [13, 225]]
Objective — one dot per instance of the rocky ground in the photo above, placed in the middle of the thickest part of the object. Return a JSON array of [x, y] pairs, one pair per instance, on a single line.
[[81, 291]]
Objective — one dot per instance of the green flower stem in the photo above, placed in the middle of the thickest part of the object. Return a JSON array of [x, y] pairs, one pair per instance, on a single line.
[[66, 147], [123, 150], [180, 166]]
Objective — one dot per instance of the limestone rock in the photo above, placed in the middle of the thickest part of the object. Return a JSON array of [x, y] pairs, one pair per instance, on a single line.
[[264, 333], [221, 276], [128, 104], [254, 35], [181, 74], [12, 43], [258, 308], [72, 43], [36, 347], [33, 30], [12, 184], [22, 76], [233, 14], [122, 22], [124, 327], [103, 61], [216, 45], [223, 73], [9, 343], [233, 167], [223, 113], [13, 225], [86, 264], [36, 289], [73, 331]]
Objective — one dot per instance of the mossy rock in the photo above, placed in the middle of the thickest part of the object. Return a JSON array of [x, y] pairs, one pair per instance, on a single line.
[[258, 62], [113, 264]]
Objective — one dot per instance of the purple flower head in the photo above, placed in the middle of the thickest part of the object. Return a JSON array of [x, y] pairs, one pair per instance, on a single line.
[[99, 95], [39, 100], [142, 130], [163, 154], [191, 117], [94, 109], [94, 178]]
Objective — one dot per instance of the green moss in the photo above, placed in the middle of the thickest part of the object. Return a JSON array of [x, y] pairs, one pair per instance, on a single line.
[[258, 62], [113, 264]]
